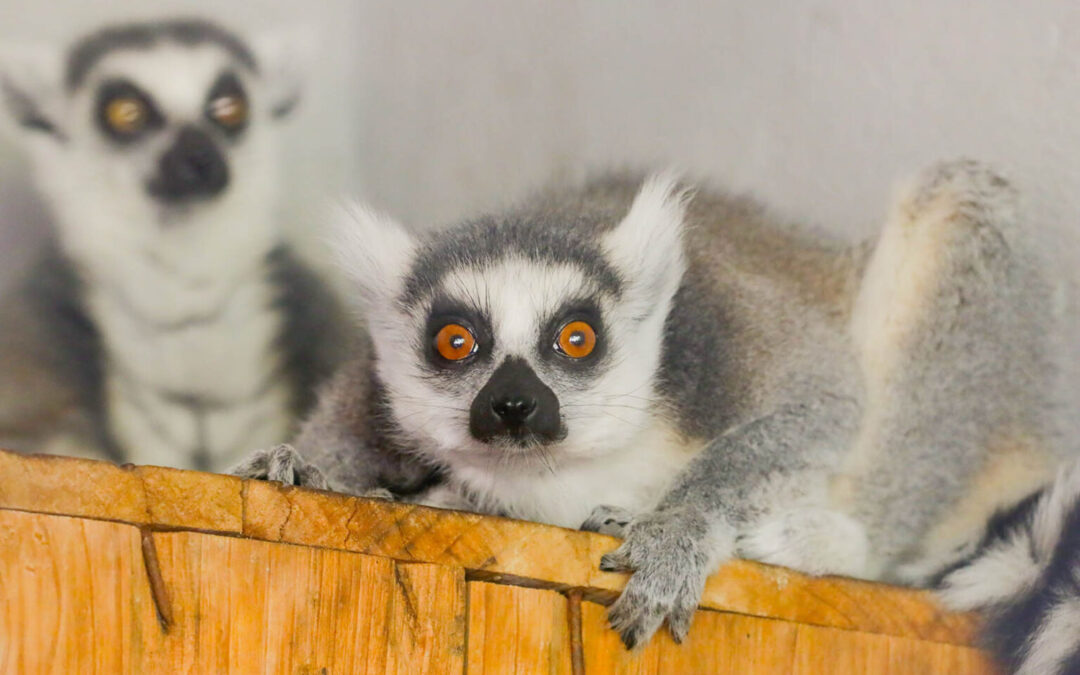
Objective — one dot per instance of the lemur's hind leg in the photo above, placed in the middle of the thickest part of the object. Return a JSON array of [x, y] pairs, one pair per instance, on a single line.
[[950, 328], [812, 540]]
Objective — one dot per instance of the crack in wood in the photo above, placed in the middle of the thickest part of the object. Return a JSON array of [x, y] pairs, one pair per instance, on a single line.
[[349, 522], [577, 649], [407, 592], [288, 514], [133, 471], [157, 583]]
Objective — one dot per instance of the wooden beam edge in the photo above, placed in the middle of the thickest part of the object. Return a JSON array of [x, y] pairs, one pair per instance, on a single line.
[[487, 547]]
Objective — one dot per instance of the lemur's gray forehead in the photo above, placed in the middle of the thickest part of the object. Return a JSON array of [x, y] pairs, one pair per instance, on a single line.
[[90, 50], [486, 241]]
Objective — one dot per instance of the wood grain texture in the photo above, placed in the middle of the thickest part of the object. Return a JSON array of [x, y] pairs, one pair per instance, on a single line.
[[488, 548], [247, 606], [147, 495], [517, 631], [186, 499], [76, 599], [73, 596], [829, 650], [720, 642], [71, 486], [500, 549], [717, 643]]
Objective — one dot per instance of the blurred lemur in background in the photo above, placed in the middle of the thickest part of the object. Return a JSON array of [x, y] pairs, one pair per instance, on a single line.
[[681, 370], [169, 323]]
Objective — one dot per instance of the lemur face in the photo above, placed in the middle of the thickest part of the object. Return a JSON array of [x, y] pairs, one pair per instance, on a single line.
[[521, 342], [142, 128], [170, 123]]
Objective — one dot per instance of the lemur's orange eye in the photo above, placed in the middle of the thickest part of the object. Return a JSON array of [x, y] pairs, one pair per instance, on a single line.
[[126, 115], [577, 340], [455, 342], [229, 111]]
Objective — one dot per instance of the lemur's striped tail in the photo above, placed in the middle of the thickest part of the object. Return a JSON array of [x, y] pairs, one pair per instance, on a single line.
[[1025, 576]]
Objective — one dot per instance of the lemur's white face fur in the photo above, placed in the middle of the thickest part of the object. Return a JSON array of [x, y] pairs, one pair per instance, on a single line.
[[155, 141], [525, 342]]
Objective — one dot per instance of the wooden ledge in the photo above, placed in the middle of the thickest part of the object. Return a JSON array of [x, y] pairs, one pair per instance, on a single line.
[[488, 548]]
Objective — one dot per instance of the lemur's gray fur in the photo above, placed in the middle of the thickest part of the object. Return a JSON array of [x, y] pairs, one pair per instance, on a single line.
[[755, 390], [169, 322]]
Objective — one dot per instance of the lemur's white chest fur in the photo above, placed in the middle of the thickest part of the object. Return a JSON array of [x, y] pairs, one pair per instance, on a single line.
[[186, 318], [634, 478], [195, 381]]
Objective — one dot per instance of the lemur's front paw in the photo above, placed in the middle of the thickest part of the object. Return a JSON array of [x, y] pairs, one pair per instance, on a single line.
[[669, 553], [379, 493], [611, 520], [283, 464]]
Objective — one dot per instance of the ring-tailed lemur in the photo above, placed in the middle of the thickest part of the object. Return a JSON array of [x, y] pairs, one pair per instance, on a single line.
[[708, 383], [170, 323]]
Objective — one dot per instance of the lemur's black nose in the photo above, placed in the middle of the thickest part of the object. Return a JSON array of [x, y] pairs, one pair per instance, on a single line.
[[516, 405], [192, 167], [513, 410]]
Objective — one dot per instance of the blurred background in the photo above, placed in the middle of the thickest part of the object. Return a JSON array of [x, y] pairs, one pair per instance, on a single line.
[[433, 110]]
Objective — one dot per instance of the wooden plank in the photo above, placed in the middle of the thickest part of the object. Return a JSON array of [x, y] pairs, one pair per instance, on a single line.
[[76, 599], [821, 651], [720, 642], [249, 606], [774, 592], [191, 499], [73, 595], [148, 495], [489, 548], [514, 630], [72, 487], [500, 549]]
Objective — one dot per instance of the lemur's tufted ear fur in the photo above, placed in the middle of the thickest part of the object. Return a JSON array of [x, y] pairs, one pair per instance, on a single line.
[[375, 253], [647, 245], [285, 58], [31, 89]]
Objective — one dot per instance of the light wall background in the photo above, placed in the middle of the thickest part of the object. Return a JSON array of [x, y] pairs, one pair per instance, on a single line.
[[436, 109]]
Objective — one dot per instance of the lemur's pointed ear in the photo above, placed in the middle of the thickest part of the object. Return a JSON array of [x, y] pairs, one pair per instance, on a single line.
[[374, 251], [647, 246], [31, 89], [285, 58]]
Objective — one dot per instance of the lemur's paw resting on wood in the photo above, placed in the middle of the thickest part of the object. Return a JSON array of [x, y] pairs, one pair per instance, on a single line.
[[610, 520], [281, 464], [670, 554]]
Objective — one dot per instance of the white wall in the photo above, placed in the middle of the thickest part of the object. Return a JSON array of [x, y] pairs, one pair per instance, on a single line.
[[434, 109], [815, 106]]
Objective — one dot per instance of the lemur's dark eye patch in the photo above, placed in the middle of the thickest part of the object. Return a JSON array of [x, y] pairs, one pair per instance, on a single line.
[[124, 112], [456, 335], [227, 104], [573, 336]]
